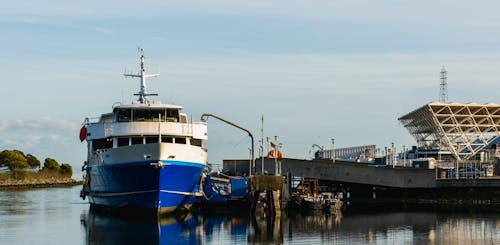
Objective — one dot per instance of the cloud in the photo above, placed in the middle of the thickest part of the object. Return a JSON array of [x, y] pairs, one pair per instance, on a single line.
[[103, 30], [33, 141], [44, 137], [435, 12], [29, 133], [44, 124], [3, 125], [334, 72]]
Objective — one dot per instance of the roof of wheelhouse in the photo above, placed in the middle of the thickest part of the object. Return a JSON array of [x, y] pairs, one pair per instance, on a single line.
[[148, 105]]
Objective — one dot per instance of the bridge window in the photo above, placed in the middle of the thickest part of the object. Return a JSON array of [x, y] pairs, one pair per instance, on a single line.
[[195, 142], [155, 115], [141, 115], [102, 144], [183, 118], [124, 115], [172, 115], [151, 139], [180, 140], [123, 141], [137, 140], [167, 139], [106, 118]]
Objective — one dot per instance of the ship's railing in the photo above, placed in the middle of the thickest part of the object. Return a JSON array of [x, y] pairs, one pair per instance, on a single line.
[[469, 169], [92, 119], [197, 130]]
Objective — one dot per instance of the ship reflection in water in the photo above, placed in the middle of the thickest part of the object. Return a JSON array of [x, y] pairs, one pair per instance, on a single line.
[[103, 229], [359, 228]]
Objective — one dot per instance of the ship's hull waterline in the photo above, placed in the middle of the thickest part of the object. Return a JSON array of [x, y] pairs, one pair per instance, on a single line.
[[145, 185]]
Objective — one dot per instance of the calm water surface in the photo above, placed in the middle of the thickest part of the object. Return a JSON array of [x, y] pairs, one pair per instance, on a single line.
[[58, 216]]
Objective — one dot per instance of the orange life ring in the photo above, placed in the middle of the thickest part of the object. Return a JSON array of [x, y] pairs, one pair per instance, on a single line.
[[275, 154]]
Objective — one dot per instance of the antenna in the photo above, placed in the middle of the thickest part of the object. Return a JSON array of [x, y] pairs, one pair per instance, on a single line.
[[443, 91], [143, 89]]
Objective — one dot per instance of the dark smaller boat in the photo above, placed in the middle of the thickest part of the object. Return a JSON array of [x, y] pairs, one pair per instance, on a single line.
[[223, 193], [310, 202], [331, 202], [306, 198]]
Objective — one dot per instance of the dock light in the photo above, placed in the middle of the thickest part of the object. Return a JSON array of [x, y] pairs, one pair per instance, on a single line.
[[333, 149]]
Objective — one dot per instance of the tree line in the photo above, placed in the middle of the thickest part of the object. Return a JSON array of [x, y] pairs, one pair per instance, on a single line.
[[16, 160]]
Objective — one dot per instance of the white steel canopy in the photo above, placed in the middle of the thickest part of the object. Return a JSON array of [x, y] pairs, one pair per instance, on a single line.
[[463, 129]]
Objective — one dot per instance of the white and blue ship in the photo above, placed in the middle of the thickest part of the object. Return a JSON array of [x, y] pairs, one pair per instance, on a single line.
[[144, 155]]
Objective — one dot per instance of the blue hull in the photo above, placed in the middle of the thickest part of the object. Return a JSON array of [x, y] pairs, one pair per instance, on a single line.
[[142, 185]]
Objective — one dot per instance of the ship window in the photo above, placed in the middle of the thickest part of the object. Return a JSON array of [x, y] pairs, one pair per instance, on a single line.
[[167, 139], [151, 139], [137, 140], [172, 115], [122, 141], [195, 142], [140, 115], [124, 115], [180, 140], [106, 118], [102, 144], [155, 115], [183, 118]]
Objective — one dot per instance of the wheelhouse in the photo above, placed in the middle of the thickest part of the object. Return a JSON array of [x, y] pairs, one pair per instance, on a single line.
[[155, 112], [148, 114]]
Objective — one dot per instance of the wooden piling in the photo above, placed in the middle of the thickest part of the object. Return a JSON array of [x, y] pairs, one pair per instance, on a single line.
[[272, 186]]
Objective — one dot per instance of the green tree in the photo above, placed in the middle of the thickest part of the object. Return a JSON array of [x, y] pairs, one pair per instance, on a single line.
[[66, 169], [33, 162], [51, 164], [20, 152], [15, 160], [3, 154]]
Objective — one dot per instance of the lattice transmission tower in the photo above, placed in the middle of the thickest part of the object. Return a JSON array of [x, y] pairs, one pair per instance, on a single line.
[[443, 91]]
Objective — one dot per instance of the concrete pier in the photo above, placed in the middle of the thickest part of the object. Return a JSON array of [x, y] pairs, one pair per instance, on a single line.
[[365, 184], [347, 172]]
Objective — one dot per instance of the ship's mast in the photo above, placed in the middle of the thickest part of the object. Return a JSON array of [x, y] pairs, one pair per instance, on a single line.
[[142, 92]]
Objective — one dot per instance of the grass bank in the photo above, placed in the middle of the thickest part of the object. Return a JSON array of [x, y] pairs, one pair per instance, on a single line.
[[40, 179]]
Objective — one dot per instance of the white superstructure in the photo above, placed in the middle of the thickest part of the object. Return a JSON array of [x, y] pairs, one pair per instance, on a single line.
[[144, 122]]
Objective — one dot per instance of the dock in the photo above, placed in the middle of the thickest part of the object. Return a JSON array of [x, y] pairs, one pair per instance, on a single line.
[[366, 184], [456, 160]]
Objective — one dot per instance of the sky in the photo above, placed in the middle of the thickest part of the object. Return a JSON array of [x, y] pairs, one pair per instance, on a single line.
[[316, 70]]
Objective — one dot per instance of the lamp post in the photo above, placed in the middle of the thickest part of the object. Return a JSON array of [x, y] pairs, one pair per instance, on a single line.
[[205, 117], [404, 155], [393, 155], [333, 149]]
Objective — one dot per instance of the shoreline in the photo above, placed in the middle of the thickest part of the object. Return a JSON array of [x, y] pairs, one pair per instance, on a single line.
[[39, 183]]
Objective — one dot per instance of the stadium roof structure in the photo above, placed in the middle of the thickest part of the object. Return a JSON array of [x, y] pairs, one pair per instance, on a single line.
[[463, 129]]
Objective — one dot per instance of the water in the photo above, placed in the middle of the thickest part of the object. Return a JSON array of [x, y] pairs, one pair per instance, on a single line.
[[58, 216]]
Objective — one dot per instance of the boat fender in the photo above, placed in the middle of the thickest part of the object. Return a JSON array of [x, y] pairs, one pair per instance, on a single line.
[[83, 133]]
